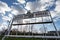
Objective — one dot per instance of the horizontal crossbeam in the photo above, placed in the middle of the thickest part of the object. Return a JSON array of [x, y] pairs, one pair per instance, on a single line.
[[28, 36], [33, 23]]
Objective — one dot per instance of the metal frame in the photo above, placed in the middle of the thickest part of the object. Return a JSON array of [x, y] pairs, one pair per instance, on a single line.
[[28, 36], [9, 29]]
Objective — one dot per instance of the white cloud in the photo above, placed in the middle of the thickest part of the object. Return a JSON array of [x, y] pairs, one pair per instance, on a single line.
[[56, 12], [57, 6], [28, 6], [33, 6], [4, 7], [21, 1], [17, 10], [14, 10], [47, 1], [53, 14], [39, 5], [10, 15], [57, 9], [16, 3], [6, 18], [3, 26]]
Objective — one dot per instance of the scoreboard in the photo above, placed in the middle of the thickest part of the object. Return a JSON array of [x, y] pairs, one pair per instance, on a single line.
[[33, 15]]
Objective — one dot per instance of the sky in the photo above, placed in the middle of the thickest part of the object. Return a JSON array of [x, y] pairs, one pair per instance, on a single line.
[[11, 8]]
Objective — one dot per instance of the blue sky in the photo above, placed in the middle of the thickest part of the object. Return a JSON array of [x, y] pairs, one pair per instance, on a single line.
[[11, 8], [9, 2]]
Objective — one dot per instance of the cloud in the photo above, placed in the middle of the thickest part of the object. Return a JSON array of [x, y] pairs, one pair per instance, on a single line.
[[39, 5], [53, 14], [4, 7], [57, 6], [16, 10], [10, 15], [6, 18], [21, 1], [33, 6], [13, 10], [15, 3], [3, 26], [56, 12]]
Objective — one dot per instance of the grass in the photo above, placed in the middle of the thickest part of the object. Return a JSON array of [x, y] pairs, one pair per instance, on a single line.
[[11, 38], [1, 37]]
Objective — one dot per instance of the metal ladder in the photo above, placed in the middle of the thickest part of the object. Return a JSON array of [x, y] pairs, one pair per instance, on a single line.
[[8, 30]]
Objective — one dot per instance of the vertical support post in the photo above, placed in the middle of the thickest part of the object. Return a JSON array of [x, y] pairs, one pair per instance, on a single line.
[[29, 29], [35, 19], [22, 27], [32, 29], [9, 29], [18, 27], [44, 27], [54, 25]]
